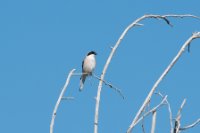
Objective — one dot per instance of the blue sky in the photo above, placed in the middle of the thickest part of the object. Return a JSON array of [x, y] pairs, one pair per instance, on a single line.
[[42, 40]]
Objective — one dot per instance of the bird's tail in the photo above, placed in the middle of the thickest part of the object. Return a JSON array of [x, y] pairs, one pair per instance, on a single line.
[[82, 80]]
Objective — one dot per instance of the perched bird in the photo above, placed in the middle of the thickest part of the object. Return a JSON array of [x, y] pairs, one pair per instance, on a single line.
[[88, 66]]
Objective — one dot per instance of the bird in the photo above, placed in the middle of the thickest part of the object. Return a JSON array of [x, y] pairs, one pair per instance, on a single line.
[[88, 66]]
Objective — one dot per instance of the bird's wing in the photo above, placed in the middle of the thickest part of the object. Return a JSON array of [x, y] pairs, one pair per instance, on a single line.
[[82, 65]]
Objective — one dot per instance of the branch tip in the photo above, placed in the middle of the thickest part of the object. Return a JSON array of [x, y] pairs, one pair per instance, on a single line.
[[138, 24]]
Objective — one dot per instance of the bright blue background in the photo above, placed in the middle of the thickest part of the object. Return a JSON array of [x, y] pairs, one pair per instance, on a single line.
[[42, 40]]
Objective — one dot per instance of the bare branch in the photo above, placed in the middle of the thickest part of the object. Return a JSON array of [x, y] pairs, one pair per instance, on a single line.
[[105, 82], [153, 126], [143, 122], [177, 127], [180, 109], [68, 98], [59, 100], [191, 125], [143, 128], [135, 23], [169, 110], [182, 16], [165, 17], [178, 118], [173, 62], [110, 85], [78, 74], [152, 110]]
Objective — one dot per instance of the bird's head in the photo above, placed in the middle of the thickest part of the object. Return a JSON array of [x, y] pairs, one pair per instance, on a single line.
[[92, 52]]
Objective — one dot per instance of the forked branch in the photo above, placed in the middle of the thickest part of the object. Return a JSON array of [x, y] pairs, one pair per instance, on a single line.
[[194, 36], [178, 118], [163, 102]]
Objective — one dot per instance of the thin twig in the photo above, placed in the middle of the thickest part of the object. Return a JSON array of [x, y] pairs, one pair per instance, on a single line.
[[59, 100], [143, 128], [191, 125], [178, 118], [78, 74], [105, 82], [135, 23], [169, 110], [143, 118], [181, 108], [173, 62], [153, 126], [110, 85], [152, 110], [68, 98]]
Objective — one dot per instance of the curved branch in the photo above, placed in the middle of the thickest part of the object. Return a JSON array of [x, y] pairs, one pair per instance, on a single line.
[[194, 36], [135, 23], [190, 126], [59, 100]]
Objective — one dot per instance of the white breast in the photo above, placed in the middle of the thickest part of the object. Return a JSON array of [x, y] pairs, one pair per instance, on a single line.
[[89, 64]]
